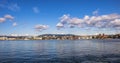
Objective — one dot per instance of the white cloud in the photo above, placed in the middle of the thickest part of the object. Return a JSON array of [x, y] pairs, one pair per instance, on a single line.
[[115, 24], [71, 22], [14, 24], [7, 16], [75, 21], [2, 20], [86, 17], [36, 9], [40, 27], [65, 18], [59, 25], [102, 21]]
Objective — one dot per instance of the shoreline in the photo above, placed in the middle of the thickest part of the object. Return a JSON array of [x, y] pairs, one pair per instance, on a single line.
[[64, 39]]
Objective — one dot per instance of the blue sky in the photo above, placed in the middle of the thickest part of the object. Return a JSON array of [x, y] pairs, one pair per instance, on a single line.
[[34, 17]]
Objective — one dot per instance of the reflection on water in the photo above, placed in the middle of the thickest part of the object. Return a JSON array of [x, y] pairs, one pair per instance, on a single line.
[[60, 51]]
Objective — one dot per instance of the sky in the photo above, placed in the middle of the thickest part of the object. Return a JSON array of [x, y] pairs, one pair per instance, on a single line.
[[80, 17]]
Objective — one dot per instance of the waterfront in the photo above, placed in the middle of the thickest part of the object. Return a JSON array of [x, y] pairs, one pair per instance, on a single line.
[[60, 51], [60, 37]]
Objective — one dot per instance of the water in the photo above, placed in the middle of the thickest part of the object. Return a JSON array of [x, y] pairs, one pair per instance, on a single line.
[[60, 51]]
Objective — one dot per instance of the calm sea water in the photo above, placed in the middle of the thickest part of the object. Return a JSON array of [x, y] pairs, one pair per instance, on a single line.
[[60, 51]]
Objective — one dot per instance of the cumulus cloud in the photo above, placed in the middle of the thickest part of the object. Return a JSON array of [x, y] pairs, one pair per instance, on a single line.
[[60, 25], [40, 27], [65, 18], [7, 16], [115, 24], [102, 21], [2, 20], [76, 21], [14, 24], [36, 9]]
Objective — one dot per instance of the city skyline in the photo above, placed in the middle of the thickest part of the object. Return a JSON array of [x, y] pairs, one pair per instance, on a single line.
[[35, 17]]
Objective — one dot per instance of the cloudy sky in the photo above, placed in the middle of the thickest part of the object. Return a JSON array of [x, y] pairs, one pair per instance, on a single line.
[[82, 17]]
